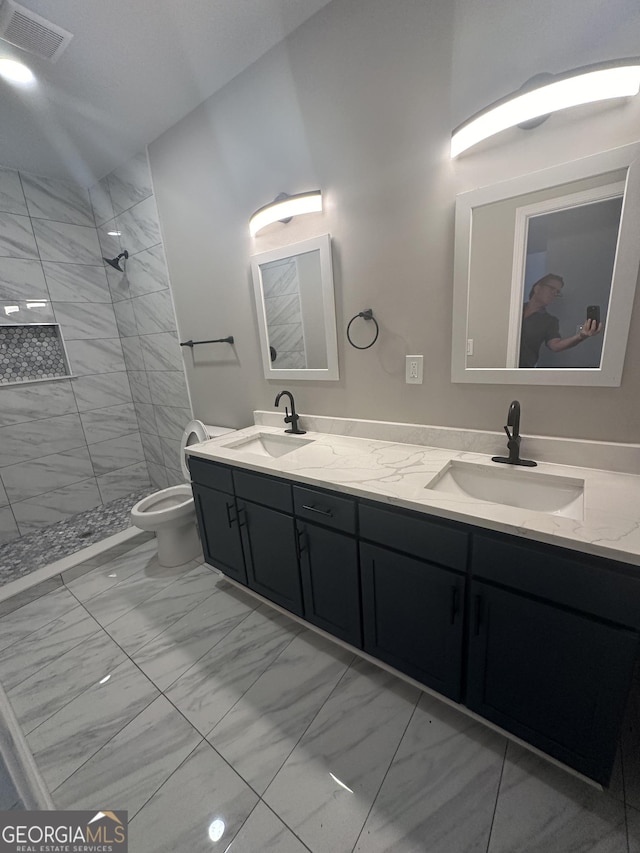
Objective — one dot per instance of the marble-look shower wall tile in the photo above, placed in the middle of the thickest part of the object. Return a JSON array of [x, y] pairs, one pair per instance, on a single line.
[[171, 452], [154, 313], [59, 241], [23, 441], [8, 527], [158, 475], [109, 239], [152, 448], [161, 352], [101, 202], [22, 279], [37, 476], [101, 356], [111, 422], [280, 277], [4, 500], [116, 453], [146, 418], [140, 386], [287, 337], [132, 351], [139, 227], [58, 200], [101, 390], [119, 483], [130, 183], [147, 272], [55, 506], [125, 318], [76, 283], [171, 421], [175, 477], [11, 196], [16, 237], [119, 286], [169, 387], [34, 402], [80, 320]]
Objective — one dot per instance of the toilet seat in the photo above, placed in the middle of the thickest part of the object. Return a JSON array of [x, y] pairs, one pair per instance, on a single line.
[[168, 507], [194, 433]]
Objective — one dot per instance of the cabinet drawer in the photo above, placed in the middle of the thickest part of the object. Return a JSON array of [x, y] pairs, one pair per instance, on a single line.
[[210, 474], [263, 490], [415, 534], [584, 583], [327, 509]]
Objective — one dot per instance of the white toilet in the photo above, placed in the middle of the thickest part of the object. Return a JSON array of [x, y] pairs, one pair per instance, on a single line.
[[170, 513]]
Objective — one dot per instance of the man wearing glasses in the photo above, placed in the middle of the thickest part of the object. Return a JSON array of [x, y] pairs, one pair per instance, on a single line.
[[538, 327]]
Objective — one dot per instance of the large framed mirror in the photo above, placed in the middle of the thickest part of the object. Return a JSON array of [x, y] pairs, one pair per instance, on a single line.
[[296, 310], [545, 274]]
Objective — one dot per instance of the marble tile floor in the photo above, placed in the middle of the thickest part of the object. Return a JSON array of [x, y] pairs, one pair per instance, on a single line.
[[221, 724], [42, 547]]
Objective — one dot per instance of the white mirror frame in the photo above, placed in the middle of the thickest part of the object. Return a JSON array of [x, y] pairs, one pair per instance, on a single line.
[[323, 245], [623, 284]]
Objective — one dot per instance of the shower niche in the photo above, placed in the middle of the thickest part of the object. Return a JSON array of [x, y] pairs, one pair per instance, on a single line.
[[32, 352]]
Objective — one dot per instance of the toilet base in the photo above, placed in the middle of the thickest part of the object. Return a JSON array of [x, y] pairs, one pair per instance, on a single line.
[[178, 545]]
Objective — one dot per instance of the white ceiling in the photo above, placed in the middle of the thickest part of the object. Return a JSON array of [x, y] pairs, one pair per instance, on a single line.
[[133, 69]]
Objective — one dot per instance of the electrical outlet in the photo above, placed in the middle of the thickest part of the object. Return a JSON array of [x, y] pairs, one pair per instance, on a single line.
[[413, 369]]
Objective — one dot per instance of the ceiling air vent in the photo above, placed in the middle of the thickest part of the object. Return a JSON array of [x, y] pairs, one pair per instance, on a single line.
[[25, 29]]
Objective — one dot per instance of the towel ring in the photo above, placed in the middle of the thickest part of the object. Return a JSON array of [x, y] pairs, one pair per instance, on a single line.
[[367, 314]]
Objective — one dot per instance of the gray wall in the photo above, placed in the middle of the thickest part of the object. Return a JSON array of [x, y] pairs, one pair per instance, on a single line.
[[72, 444], [360, 102]]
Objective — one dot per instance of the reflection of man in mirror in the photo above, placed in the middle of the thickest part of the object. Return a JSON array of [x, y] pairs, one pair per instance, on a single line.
[[539, 327]]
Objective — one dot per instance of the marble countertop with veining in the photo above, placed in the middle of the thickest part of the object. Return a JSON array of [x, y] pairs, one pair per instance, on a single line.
[[397, 474]]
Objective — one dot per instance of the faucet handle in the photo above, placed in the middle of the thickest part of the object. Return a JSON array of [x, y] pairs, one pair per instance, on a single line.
[[509, 435]]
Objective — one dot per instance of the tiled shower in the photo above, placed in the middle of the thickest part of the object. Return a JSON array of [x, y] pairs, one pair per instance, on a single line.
[[113, 428]]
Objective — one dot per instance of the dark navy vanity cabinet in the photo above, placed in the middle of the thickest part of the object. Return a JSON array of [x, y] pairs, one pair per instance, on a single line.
[[537, 639]]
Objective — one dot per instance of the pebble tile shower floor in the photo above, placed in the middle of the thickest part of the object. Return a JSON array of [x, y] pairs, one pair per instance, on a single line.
[[22, 556]]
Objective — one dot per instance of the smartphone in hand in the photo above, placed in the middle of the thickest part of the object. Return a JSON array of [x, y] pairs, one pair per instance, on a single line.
[[593, 313]]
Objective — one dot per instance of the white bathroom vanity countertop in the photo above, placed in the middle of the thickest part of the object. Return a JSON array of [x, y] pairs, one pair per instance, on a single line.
[[397, 473]]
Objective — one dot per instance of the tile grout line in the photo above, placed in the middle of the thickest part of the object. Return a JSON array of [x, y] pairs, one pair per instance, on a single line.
[[495, 806], [386, 773]]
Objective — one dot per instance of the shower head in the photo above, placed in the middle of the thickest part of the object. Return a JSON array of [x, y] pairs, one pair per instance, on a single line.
[[115, 262]]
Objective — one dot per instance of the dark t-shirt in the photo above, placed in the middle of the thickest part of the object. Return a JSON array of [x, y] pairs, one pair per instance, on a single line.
[[536, 329]]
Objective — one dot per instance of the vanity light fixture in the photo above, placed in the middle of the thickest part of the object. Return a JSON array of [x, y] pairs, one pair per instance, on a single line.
[[284, 207], [547, 93]]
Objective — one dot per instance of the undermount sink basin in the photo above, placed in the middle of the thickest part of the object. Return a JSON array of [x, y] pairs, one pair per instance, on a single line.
[[507, 484], [269, 444]]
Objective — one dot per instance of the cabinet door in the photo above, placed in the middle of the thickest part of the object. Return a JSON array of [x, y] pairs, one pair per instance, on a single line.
[[269, 540], [331, 581], [412, 617], [555, 678], [219, 531]]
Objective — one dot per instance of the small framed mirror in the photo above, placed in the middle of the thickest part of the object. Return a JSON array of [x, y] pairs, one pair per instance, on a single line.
[[545, 273], [296, 310]]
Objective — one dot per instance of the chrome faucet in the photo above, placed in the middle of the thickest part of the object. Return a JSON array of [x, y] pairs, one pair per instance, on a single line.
[[513, 439], [292, 418]]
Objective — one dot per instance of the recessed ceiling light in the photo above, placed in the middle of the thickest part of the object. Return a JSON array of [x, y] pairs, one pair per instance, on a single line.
[[16, 72]]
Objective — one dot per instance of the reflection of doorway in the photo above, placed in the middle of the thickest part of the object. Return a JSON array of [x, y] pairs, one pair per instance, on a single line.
[[576, 238]]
